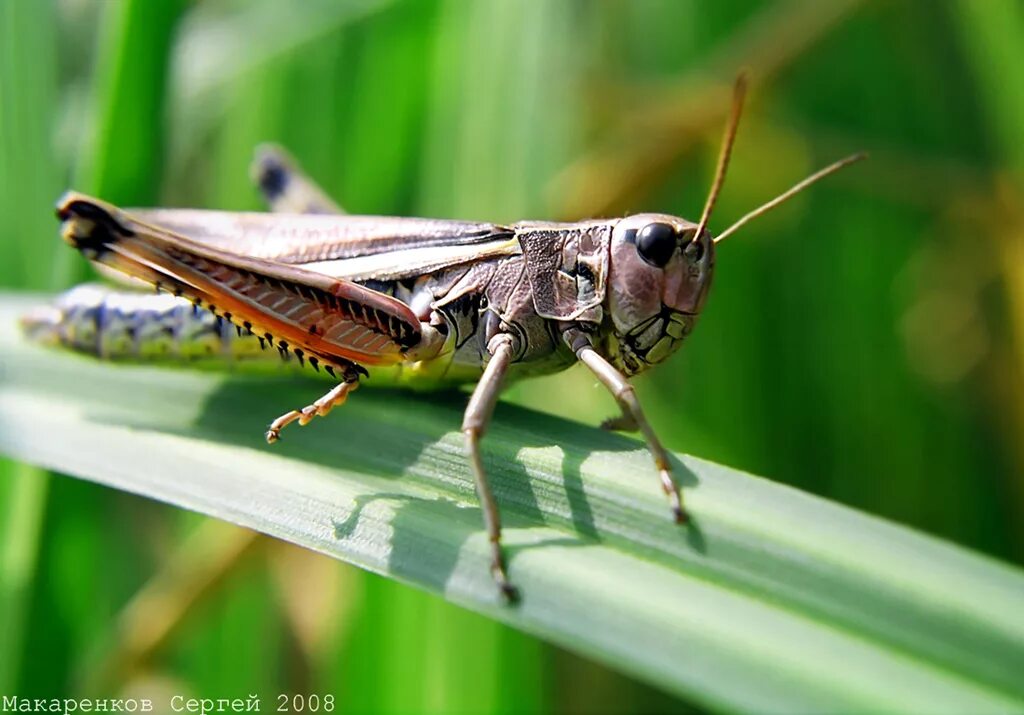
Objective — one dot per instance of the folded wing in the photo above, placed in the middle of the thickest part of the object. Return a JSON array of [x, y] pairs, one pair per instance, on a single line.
[[329, 319]]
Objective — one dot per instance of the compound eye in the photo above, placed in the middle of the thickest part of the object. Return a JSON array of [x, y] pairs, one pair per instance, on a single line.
[[656, 242]]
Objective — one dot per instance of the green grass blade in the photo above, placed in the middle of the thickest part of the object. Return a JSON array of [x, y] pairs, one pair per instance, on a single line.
[[23, 496], [773, 601], [29, 181], [122, 155], [991, 34], [29, 177], [126, 151]]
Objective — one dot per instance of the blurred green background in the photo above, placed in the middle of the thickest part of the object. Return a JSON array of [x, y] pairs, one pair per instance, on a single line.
[[865, 343]]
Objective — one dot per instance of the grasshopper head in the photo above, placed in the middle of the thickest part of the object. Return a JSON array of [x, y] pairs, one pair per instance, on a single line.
[[660, 268], [658, 278], [660, 272]]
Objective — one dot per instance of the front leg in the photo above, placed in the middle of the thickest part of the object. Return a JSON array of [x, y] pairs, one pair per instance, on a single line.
[[474, 425], [335, 397], [625, 394]]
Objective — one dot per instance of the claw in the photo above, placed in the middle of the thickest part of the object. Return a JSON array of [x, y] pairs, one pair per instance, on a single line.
[[680, 515], [509, 592], [675, 497]]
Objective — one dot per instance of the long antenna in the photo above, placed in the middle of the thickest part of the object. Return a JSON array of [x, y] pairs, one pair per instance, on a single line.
[[784, 197], [739, 92]]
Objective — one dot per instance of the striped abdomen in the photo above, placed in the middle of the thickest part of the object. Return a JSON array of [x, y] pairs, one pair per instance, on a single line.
[[119, 325]]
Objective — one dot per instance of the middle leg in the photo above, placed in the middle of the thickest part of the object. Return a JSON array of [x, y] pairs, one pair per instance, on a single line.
[[474, 424]]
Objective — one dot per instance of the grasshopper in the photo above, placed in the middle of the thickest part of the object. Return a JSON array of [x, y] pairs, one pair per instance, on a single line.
[[429, 302]]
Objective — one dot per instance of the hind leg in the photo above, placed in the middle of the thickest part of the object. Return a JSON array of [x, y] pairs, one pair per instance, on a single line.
[[285, 188]]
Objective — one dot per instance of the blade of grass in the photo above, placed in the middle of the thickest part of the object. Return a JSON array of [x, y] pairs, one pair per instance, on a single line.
[[199, 568], [28, 183], [772, 601], [991, 35], [24, 501], [124, 158], [226, 45], [124, 152], [29, 179]]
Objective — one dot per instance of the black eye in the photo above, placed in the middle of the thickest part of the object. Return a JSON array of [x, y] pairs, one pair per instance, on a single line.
[[656, 242]]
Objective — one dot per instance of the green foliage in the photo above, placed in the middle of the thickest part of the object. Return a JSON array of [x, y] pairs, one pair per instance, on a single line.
[[28, 181]]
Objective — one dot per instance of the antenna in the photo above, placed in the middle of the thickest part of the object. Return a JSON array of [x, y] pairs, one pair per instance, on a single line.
[[739, 92], [784, 197]]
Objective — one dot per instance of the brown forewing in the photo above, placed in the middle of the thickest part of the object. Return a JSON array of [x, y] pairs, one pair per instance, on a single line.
[[321, 316]]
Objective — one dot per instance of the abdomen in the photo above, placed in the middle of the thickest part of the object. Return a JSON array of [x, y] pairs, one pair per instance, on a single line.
[[129, 327], [140, 327]]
